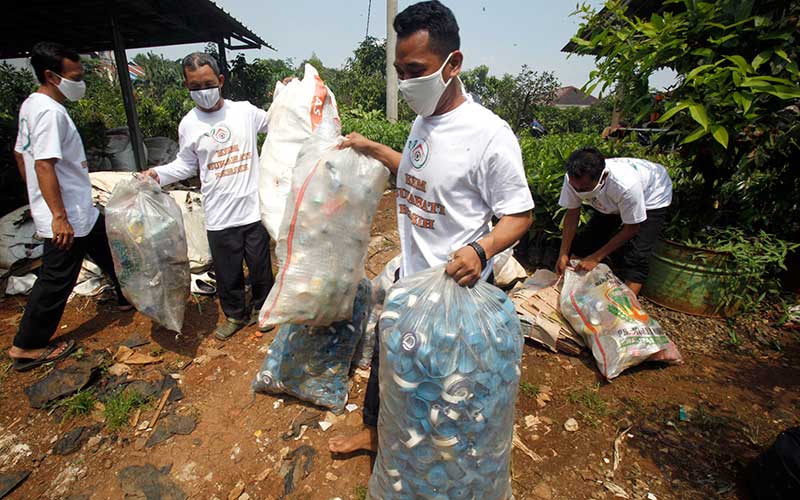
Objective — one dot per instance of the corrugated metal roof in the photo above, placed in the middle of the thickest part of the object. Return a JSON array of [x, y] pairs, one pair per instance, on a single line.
[[85, 25]]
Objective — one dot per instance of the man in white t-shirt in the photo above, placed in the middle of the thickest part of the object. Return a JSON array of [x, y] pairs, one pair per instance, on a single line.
[[461, 167], [629, 198], [218, 141], [50, 154]]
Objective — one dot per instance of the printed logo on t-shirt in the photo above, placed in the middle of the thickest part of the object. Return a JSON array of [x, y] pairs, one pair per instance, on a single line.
[[419, 150], [220, 133]]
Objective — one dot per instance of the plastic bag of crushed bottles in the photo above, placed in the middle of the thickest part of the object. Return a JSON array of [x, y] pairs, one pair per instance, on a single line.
[[380, 287], [449, 371], [312, 363], [325, 232], [148, 244], [613, 323]]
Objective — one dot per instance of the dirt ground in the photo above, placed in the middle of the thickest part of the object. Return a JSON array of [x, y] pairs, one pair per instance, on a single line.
[[681, 431]]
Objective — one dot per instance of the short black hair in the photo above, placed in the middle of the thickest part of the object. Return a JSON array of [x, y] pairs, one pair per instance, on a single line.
[[50, 56], [197, 59], [436, 19], [586, 161]]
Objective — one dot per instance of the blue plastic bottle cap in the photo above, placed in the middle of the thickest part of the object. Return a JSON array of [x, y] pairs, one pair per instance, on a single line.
[[457, 388], [419, 408], [414, 438], [404, 384], [409, 342], [437, 476], [429, 390]]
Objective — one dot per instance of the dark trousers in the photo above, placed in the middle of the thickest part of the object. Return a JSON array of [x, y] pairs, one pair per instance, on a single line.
[[57, 277], [631, 261], [229, 249], [372, 398]]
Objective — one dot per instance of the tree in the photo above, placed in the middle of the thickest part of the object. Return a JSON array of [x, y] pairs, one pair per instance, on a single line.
[[256, 81], [361, 83], [514, 98], [159, 72], [734, 108]]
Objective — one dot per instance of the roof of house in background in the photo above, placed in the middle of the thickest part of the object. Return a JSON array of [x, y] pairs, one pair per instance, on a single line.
[[572, 96], [634, 8], [85, 25]]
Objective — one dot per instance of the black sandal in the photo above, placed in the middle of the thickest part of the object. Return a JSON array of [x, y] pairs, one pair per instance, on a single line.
[[26, 364]]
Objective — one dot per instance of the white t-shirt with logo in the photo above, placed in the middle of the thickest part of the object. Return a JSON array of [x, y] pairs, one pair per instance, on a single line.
[[223, 146], [46, 131], [632, 187], [457, 171]]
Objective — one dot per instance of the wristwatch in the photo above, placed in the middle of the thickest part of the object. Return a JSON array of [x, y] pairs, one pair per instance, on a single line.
[[481, 253]]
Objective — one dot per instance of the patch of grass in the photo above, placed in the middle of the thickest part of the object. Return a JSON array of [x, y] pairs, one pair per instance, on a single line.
[[528, 389], [119, 407], [590, 399], [361, 493], [80, 403]]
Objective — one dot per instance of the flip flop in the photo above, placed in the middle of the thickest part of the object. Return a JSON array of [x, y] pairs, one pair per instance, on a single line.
[[26, 364]]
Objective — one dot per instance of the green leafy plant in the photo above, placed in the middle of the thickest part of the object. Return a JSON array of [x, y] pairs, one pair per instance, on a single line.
[[528, 389], [373, 126], [118, 407], [587, 120], [80, 403], [756, 262], [360, 492], [589, 398], [734, 108]]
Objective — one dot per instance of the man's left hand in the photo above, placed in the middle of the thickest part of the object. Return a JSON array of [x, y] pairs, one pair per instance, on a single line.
[[465, 267], [588, 263]]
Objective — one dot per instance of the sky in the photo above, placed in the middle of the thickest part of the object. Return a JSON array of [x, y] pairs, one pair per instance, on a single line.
[[502, 34]]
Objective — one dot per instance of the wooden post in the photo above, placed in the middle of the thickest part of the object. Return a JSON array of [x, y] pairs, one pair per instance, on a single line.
[[121, 61]]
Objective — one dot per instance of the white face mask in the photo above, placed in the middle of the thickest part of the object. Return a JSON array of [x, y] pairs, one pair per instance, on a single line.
[[588, 195], [205, 98], [423, 94], [72, 90]]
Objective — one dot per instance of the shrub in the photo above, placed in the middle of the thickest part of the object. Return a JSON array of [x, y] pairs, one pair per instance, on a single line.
[[373, 126]]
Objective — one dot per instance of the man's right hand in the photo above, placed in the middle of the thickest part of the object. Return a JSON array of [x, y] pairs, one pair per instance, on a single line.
[[63, 234], [359, 143], [152, 174], [562, 264]]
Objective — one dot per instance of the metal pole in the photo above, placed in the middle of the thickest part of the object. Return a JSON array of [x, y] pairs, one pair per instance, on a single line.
[[121, 61], [391, 73]]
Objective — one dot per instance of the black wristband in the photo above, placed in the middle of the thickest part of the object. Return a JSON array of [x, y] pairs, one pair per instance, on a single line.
[[481, 253]]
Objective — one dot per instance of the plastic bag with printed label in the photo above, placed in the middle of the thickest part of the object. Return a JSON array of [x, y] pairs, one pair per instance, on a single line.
[[148, 244], [449, 371], [613, 323], [313, 363], [295, 113], [325, 232]]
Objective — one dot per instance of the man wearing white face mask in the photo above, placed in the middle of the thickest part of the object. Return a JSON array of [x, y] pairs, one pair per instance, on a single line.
[[461, 167], [627, 192], [51, 159], [218, 141]]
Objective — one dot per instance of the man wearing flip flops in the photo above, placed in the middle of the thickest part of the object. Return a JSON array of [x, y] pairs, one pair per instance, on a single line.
[[461, 167], [218, 142], [50, 156]]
